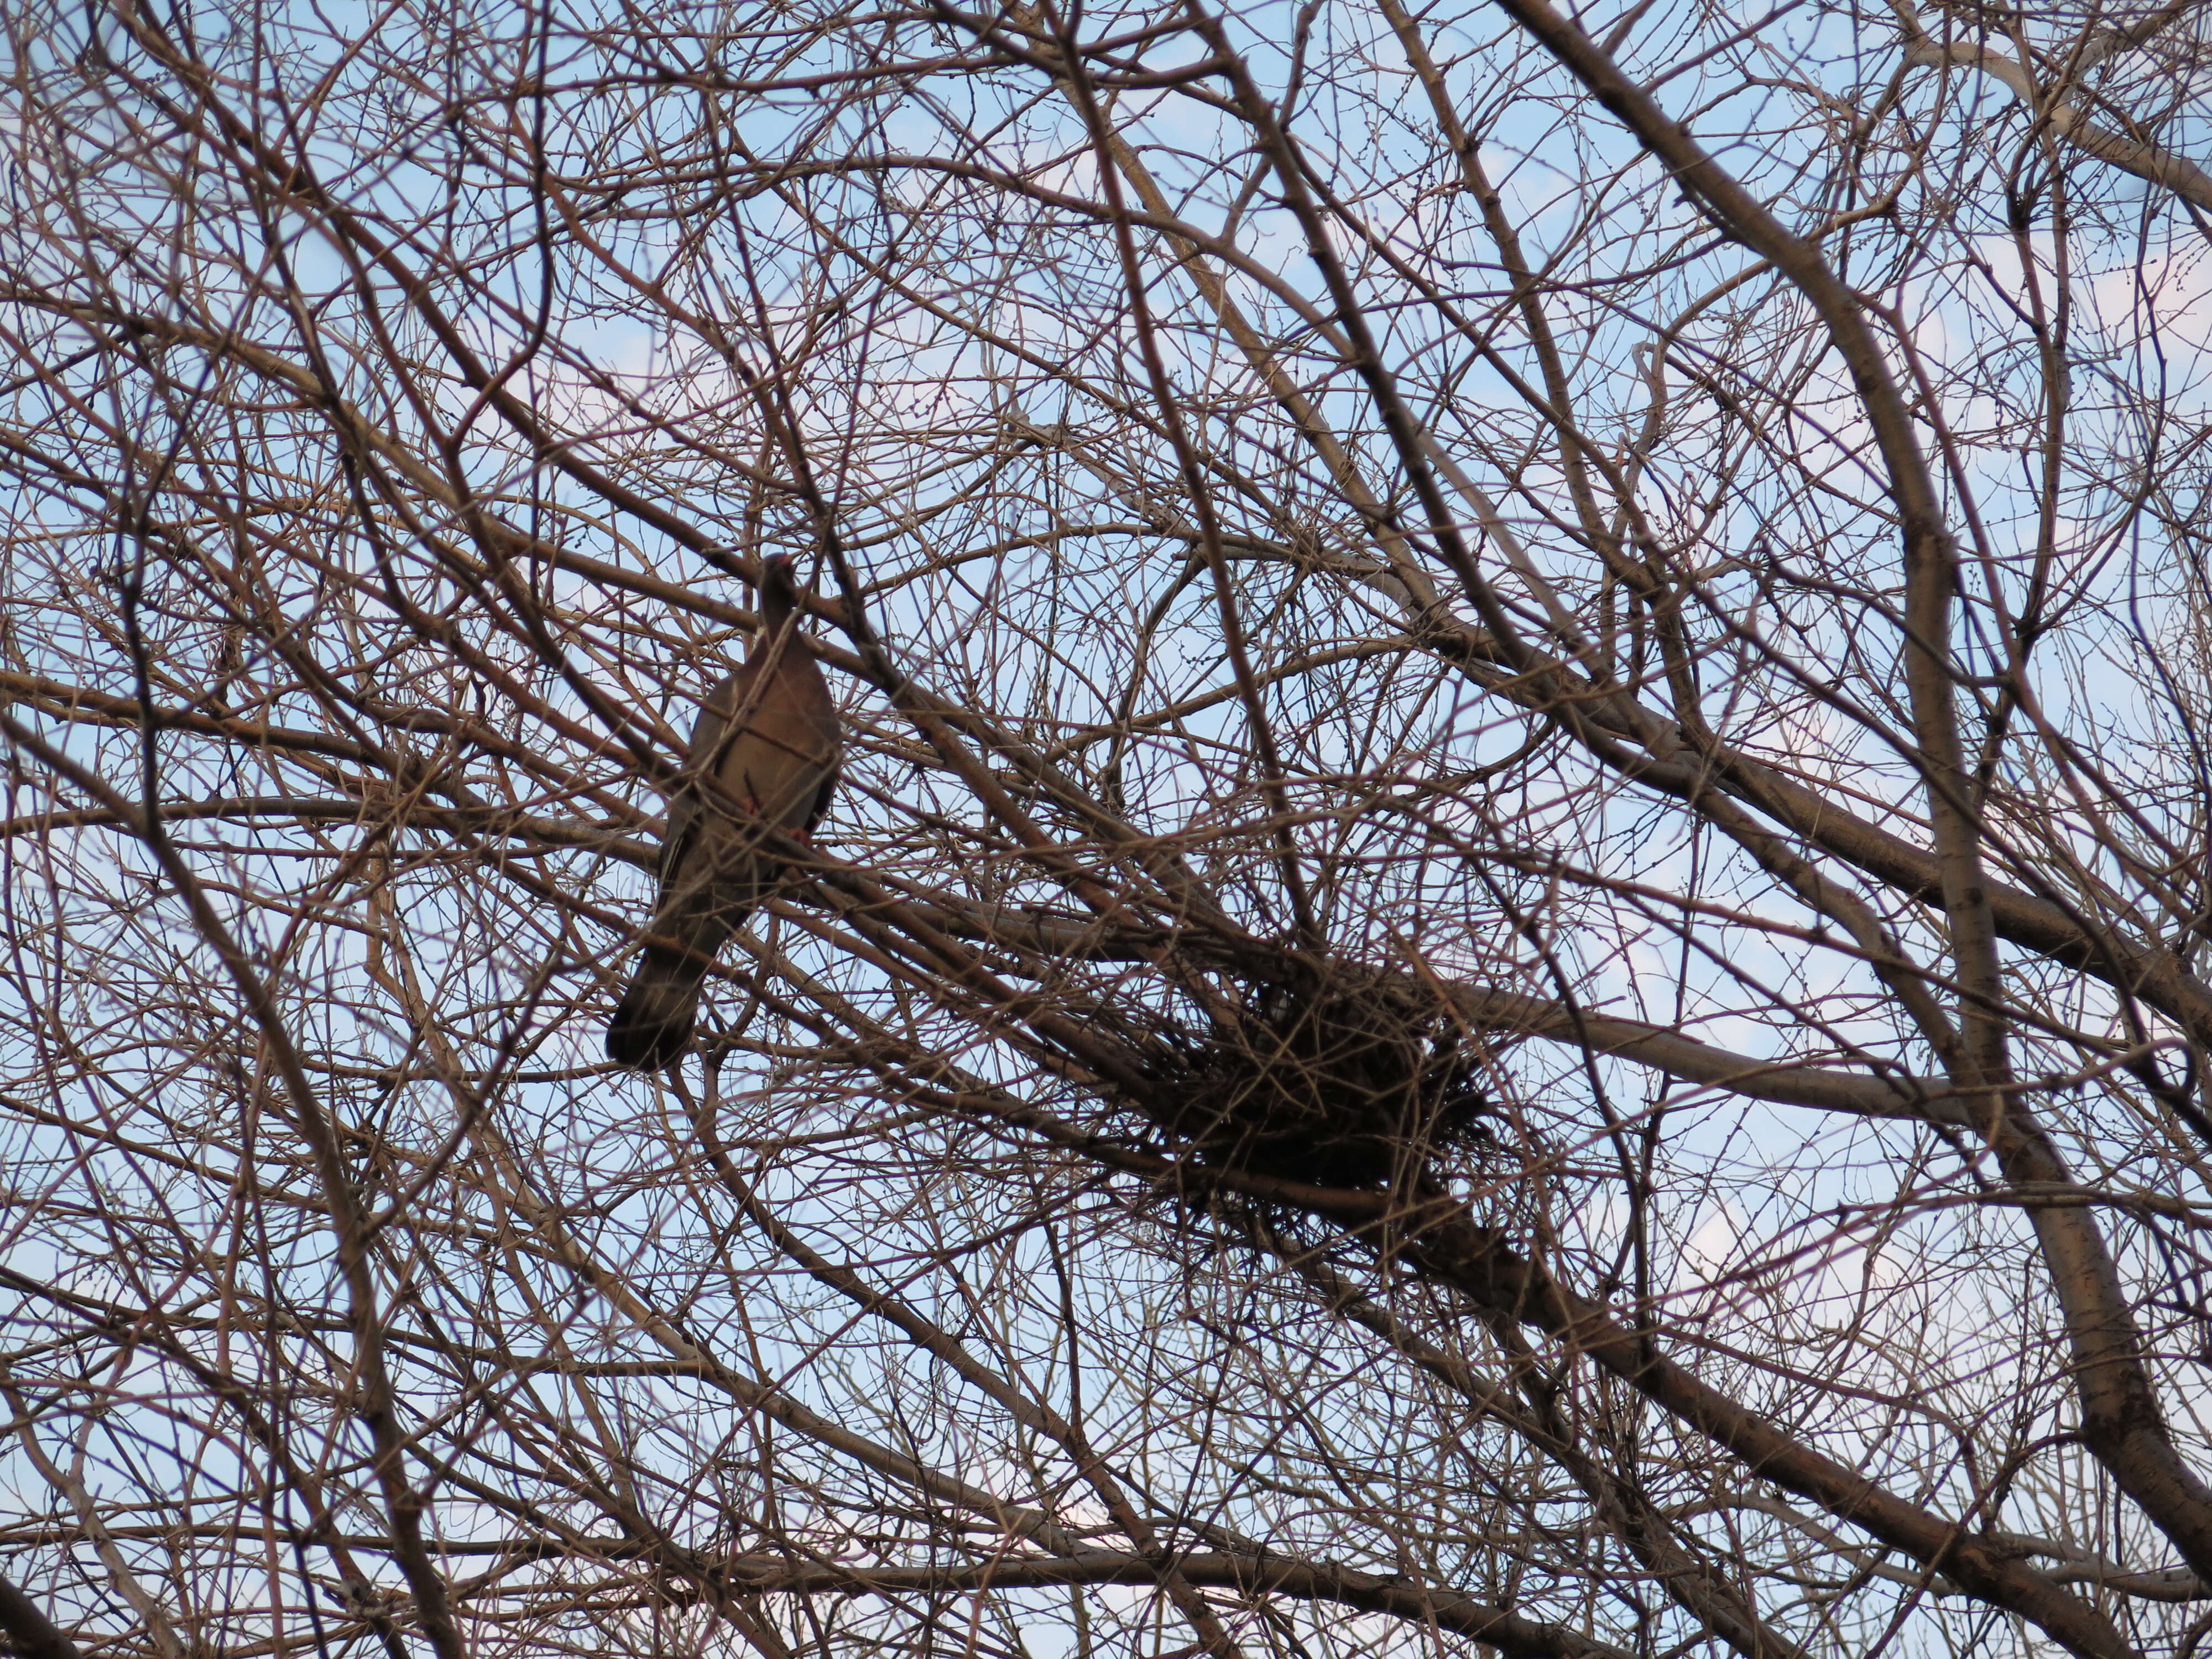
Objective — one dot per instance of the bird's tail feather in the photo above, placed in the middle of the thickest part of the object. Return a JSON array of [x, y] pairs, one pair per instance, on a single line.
[[652, 1024]]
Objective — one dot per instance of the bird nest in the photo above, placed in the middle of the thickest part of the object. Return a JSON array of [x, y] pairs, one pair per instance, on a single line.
[[1337, 1084]]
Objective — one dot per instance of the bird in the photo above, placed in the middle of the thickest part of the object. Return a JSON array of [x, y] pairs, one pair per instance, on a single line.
[[767, 740]]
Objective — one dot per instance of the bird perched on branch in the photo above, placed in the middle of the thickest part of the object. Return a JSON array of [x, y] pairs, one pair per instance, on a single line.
[[764, 752]]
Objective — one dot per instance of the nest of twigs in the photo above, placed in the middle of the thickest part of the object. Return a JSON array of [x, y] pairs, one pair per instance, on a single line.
[[1342, 1083]]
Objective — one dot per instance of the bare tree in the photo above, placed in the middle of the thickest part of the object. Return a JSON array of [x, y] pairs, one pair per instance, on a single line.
[[1510, 958]]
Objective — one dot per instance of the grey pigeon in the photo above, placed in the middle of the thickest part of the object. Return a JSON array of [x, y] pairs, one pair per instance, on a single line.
[[768, 736]]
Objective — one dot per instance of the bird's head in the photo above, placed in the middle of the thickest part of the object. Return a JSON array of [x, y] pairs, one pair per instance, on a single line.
[[779, 590]]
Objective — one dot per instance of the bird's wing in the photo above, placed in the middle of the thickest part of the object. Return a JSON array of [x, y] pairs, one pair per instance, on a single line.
[[684, 807]]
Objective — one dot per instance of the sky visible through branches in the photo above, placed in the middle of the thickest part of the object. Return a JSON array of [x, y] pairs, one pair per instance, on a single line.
[[1510, 960]]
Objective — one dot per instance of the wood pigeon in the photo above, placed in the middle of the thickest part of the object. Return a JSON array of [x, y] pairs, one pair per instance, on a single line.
[[768, 738]]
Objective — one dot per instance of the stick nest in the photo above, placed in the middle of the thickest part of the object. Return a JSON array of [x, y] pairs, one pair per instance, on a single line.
[[1339, 1085]]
